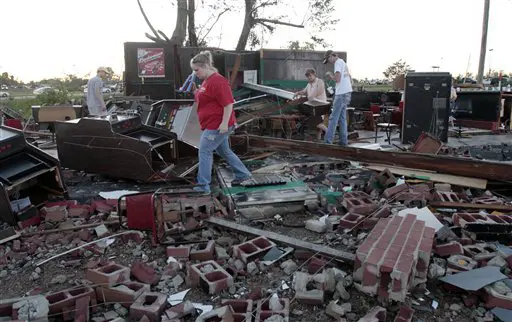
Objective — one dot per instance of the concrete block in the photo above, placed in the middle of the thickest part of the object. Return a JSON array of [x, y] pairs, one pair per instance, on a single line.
[[203, 252], [315, 225], [125, 293], [242, 309], [109, 274], [253, 248], [149, 304], [264, 312], [144, 273], [448, 249], [311, 297], [178, 252]]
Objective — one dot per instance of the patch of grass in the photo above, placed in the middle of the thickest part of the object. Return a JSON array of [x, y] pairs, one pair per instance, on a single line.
[[23, 105]]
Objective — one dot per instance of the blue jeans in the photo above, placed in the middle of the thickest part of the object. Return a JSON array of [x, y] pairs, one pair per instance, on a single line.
[[212, 140], [338, 115]]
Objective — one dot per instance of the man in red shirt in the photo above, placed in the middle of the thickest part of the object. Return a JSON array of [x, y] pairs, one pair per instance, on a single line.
[[217, 120]]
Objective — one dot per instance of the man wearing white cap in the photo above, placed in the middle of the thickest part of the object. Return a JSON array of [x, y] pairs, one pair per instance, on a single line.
[[342, 97], [95, 103]]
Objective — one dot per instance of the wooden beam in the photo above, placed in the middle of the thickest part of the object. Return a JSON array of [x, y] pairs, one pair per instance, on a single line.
[[460, 205], [497, 171], [432, 176], [297, 243]]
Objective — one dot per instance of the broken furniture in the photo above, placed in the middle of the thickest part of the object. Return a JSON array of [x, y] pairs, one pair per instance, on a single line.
[[45, 116], [479, 109], [266, 196], [426, 106], [118, 146], [25, 171]]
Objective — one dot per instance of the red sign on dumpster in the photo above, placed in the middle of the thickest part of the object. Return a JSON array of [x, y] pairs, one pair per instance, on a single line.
[[151, 62]]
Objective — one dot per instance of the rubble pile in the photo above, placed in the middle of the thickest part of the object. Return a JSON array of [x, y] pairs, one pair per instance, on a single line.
[[376, 248]]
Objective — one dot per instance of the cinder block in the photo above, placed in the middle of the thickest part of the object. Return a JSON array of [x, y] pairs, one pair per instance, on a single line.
[[204, 252], [480, 252], [311, 297], [149, 304], [495, 298], [109, 274], [459, 263], [250, 249], [144, 273], [178, 252], [210, 276], [242, 309], [350, 220], [223, 314], [362, 205], [125, 293], [448, 249], [447, 196], [263, 311], [65, 299]]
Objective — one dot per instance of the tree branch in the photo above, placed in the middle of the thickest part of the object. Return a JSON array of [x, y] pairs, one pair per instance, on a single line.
[[277, 22], [214, 23], [147, 21]]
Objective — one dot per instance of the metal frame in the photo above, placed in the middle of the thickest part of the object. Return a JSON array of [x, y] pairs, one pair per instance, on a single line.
[[270, 90]]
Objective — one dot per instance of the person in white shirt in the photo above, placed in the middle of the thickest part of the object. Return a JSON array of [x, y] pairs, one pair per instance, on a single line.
[[315, 92], [342, 97]]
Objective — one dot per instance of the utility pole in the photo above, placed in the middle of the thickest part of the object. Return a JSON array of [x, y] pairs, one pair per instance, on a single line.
[[483, 46]]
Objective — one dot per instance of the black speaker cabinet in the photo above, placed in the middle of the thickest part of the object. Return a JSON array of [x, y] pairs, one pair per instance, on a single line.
[[426, 105]]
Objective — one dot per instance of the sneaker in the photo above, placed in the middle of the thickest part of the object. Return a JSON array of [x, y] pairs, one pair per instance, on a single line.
[[240, 182], [202, 191]]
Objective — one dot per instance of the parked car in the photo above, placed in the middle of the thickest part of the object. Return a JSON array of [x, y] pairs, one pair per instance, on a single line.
[[41, 90], [4, 94], [104, 90], [4, 87]]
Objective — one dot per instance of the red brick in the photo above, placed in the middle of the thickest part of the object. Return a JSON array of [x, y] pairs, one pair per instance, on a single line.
[[144, 273], [404, 315], [109, 274], [389, 192], [149, 304]]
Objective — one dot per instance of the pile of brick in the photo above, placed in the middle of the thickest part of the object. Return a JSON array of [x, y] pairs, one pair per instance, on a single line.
[[394, 257]]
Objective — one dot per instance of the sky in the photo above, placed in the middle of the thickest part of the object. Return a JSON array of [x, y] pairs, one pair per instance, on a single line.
[[51, 38]]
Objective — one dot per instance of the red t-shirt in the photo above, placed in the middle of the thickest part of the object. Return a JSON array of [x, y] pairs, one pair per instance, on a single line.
[[213, 95]]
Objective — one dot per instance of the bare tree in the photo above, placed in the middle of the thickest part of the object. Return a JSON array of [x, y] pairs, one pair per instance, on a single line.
[[192, 36], [180, 31], [253, 18]]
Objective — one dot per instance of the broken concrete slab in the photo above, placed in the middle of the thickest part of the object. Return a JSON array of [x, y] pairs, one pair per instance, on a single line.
[[475, 279]]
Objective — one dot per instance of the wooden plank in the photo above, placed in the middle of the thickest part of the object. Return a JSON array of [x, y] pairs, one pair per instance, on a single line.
[[297, 243], [459, 205], [498, 171], [432, 176]]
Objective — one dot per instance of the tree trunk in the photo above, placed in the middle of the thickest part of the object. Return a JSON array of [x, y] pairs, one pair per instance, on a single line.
[[248, 25], [192, 36], [180, 31]]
